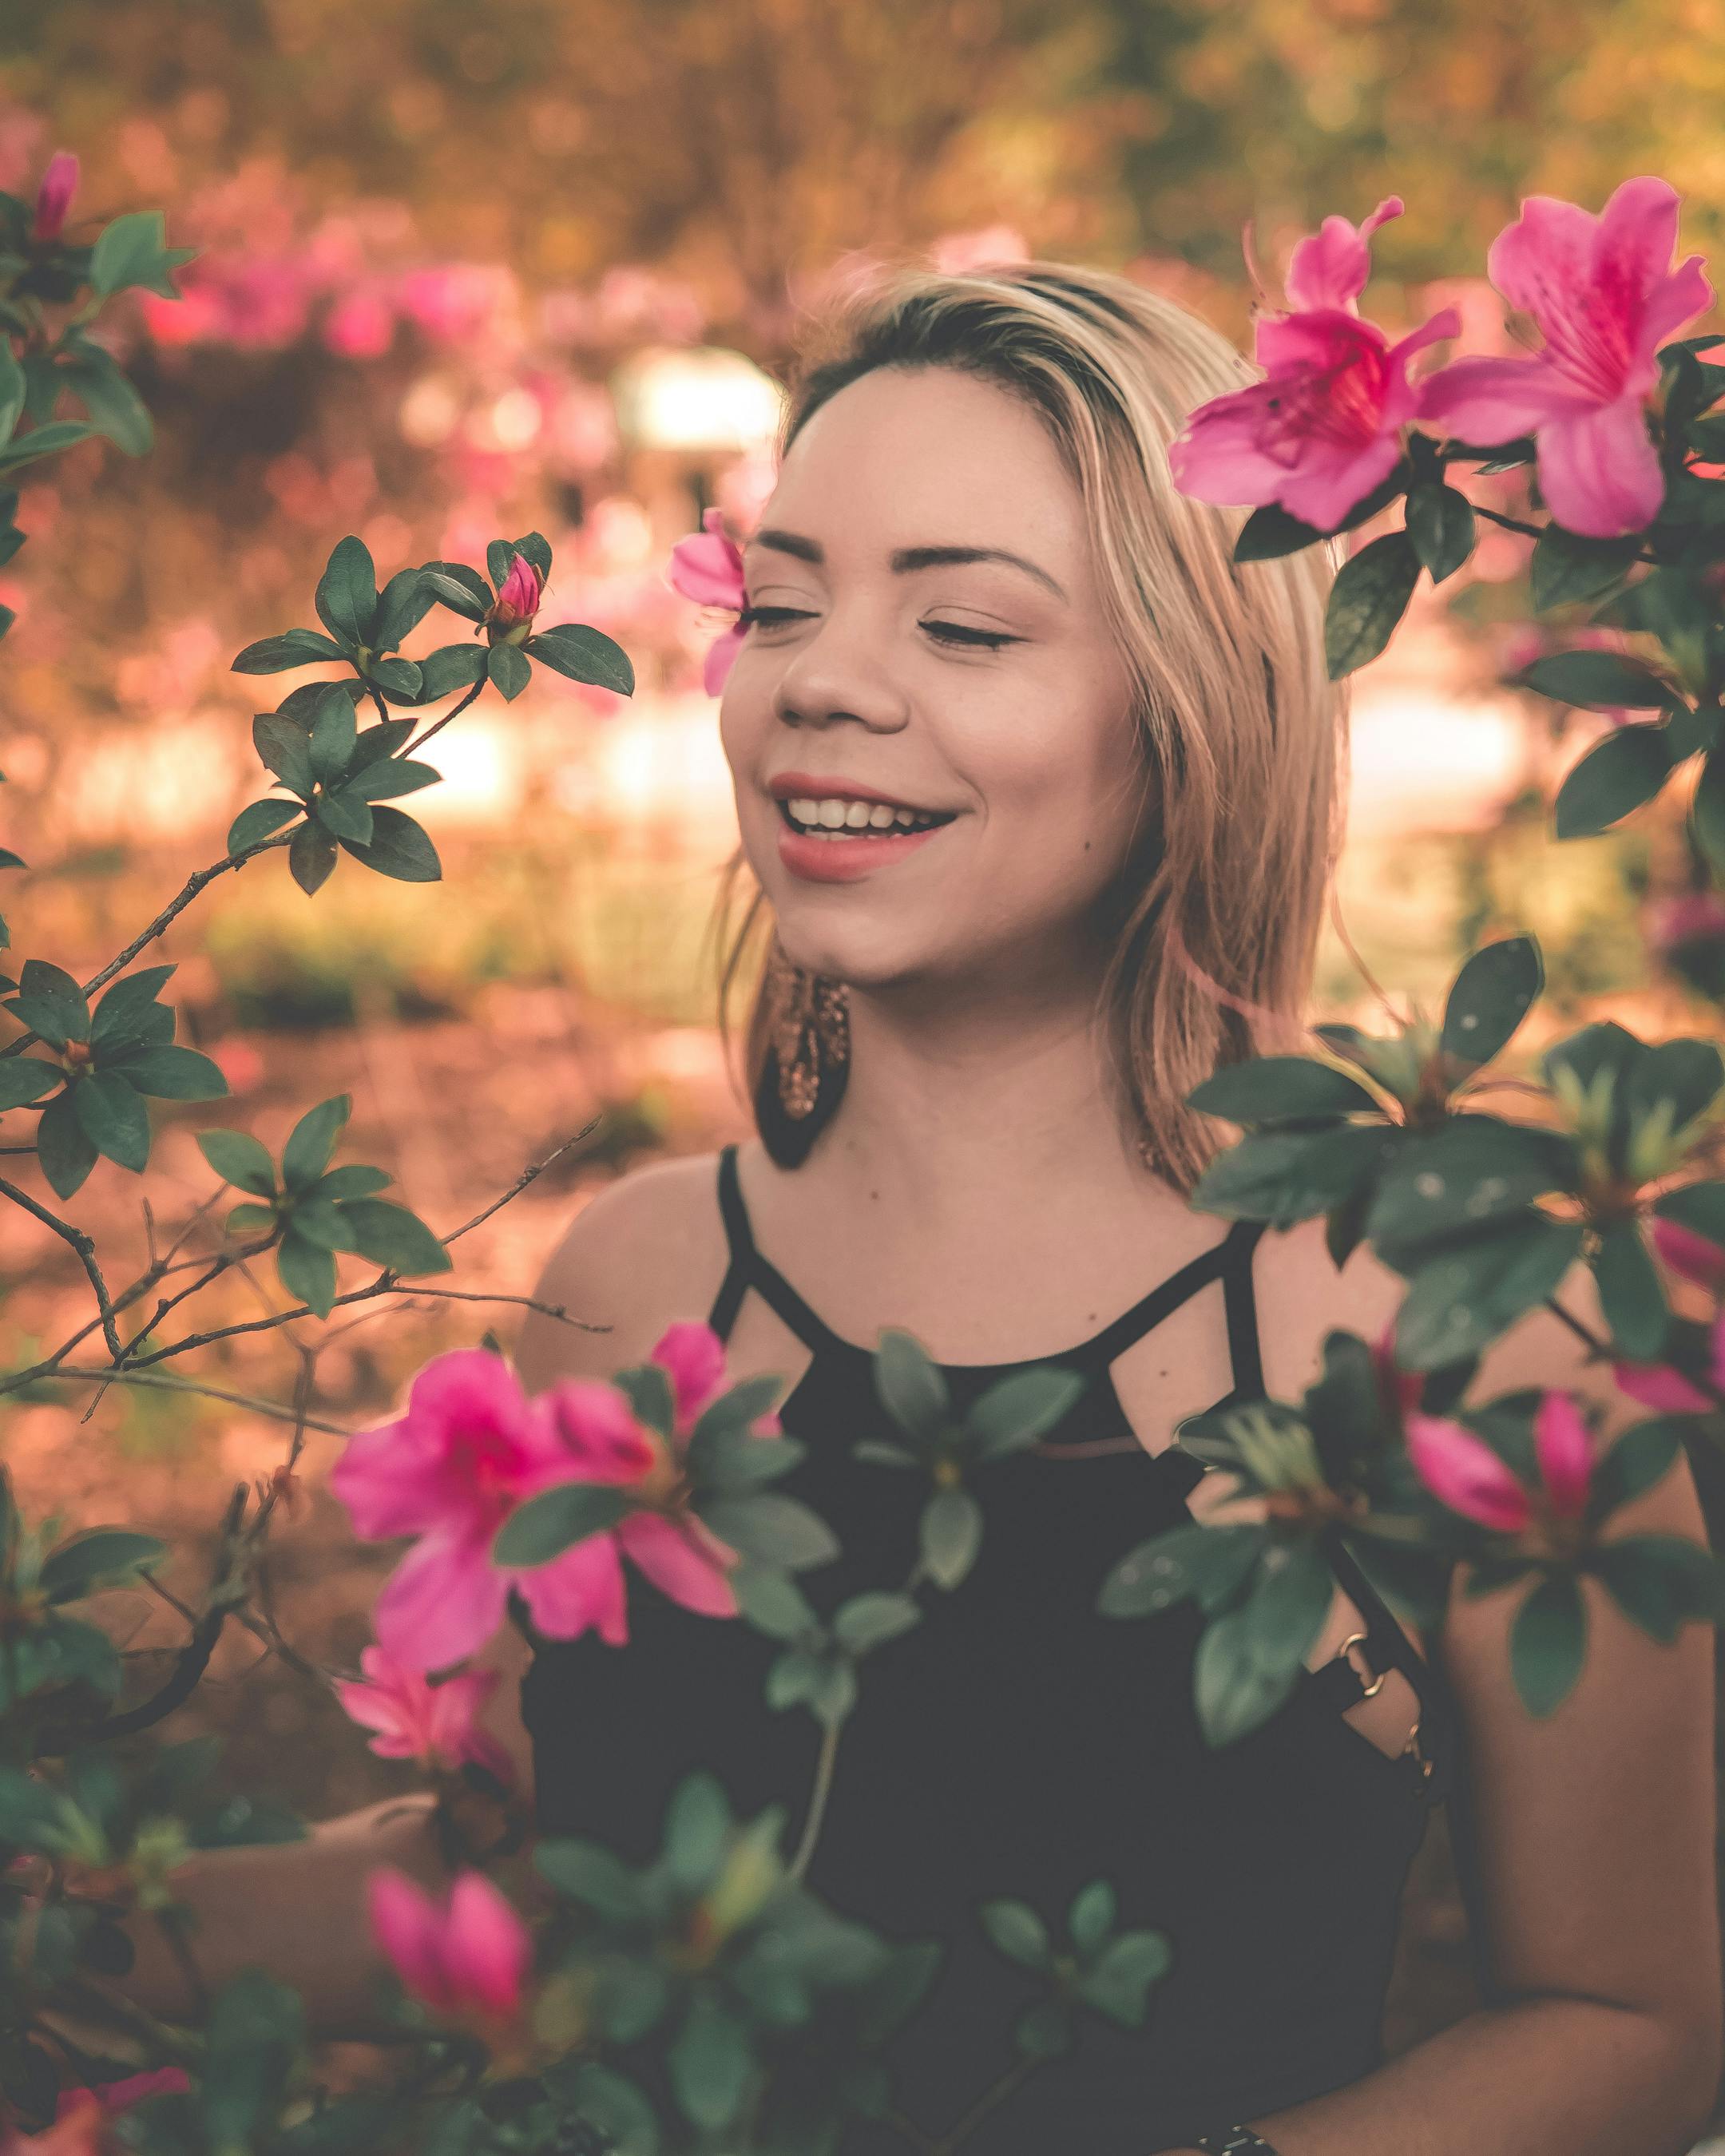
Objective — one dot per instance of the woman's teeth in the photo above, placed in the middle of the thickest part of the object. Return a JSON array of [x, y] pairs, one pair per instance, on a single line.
[[829, 818]]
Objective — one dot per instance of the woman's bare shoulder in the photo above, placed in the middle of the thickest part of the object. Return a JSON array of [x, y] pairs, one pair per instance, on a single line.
[[644, 1252], [1301, 1296]]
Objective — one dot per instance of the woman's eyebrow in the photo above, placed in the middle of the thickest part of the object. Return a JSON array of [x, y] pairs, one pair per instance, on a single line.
[[904, 559]]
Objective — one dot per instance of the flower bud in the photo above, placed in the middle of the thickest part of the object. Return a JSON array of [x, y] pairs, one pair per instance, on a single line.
[[517, 601], [53, 197]]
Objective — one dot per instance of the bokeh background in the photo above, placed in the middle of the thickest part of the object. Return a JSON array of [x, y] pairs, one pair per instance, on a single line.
[[466, 272]]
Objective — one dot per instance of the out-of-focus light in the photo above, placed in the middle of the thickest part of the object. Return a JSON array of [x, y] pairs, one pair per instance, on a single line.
[[516, 419], [702, 399], [428, 412]]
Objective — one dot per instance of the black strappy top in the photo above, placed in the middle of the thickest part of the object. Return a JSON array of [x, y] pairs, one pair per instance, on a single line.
[[1017, 1743]]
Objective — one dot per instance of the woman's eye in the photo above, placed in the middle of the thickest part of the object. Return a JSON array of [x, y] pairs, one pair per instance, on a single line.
[[944, 632]]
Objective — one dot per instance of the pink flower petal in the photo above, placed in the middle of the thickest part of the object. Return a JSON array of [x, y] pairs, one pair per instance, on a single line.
[[486, 1947], [1330, 267], [720, 658], [683, 1560], [386, 1478], [1565, 1454], [53, 196], [597, 1429], [708, 569], [1657, 1385], [1462, 1471], [1599, 470], [580, 1589], [442, 1603], [407, 1926], [1690, 1255], [694, 1358]]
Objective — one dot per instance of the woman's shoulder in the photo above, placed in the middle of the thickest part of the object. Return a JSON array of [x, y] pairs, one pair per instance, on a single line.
[[643, 1252]]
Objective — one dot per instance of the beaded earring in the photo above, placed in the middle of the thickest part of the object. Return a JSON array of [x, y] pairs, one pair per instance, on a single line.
[[807, 1062]]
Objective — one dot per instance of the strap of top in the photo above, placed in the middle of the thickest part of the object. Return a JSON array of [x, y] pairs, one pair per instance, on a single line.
[[748, 1269]]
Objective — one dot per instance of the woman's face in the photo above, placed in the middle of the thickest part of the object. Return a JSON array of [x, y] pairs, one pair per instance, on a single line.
[[985, 695]]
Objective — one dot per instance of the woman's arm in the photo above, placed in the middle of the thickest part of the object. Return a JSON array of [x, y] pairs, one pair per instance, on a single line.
[[1595, 1830]]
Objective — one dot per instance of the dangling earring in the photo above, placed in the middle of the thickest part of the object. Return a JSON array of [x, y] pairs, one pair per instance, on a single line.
[[807, 1063]]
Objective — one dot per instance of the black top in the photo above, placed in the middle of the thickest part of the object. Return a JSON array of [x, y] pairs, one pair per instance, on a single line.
[[1016, 1742]]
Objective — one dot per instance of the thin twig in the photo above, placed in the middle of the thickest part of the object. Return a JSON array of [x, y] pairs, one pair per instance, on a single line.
[[82, 1244], [166, 1382]]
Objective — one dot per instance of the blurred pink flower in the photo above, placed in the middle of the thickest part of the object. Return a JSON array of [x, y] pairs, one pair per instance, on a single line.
[[53, 197], [469, 1448], [467, 1956], [1520, 646], [238, 1062], [1602, 292], [120, 2096], [1398, 1387], [1693, 916], [360, 325], [1690, 1255], [518, 596], [454, 302], [1325, 427], [693, 1356], [1658, 1386], [80, 2128], [707, 568], [436, 1724], [1462, 1471]]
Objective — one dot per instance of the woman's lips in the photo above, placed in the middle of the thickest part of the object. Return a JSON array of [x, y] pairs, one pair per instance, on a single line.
[[843, 859]]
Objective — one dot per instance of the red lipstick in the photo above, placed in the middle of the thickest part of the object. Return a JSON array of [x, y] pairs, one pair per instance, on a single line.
[[850, 853]]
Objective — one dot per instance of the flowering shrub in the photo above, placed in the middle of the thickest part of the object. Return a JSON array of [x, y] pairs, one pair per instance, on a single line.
[[558, 1512]]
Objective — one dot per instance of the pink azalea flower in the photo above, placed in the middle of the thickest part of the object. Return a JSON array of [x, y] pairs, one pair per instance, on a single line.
[[708, 569], [53, 197], [80, 2128], [677, 1551], [1603, 294], [1691, 1256], [694, 1357], [1565, 1454], [1325, 426], [435, 1725], [467, 1956], [468, 1450], [120, 2095], [1462, 1471], [1658, 1386], [1696, 916], [518, 596], [360, 325]]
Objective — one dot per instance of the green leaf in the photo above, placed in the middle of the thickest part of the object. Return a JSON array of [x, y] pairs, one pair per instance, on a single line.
[[538, 550], [1017, 1932], [307, 1272], [352, 1180], [952, 1534], [1248, 1660], [1458, 1180], [402, 604], [99, 1556], [173, 1074], [544, 1526], [115, 1119], [1547, 1643], [1016, 1411], [255, 2030], [499, 555], [243, 1220], [377, 743], [284, 747], [509, 668], [1043, 2031], [27, 1078], [459, 588], [451, 667], [51, 1002], [584, 654], [1489, 997], [312, 857], [312, 1140], [587, 1872], [1283, 1177], [237, 1158], [320, 1221], [115, 407], [1630, 1295], [399, 849], [1642, 1455], [63, 1151], [393, 776], [1273, 1089], [391, 1236], [45, 441], [1707, 811], [1440, 525], [772, 1527], [1368, 598], [910, 1386], [697, 1825], [1461, 1299], [344, 815], [11, 399], [397, 678], [647, 1388], [1619, 774], [1662, 1582], [1091, 1916], [276, 655], [346, 596], [134, 250], [259, 820], [333, 736], [711, 2062], [1566, 568], [1119, 1985], [868, 1620], [1595, 680], [1210, 1563], [771, 1601]]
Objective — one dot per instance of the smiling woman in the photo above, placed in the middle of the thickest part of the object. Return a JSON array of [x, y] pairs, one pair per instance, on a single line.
[[1037, 792]]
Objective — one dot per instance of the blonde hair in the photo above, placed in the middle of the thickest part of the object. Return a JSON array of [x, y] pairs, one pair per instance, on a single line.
[[1217, 915]]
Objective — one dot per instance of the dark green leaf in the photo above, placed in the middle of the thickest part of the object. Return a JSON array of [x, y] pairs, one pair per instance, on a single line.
[[402, 604], [498, 557], [344, 814], [1092, 1916], [451, 667], [238, 1159], [319, 1220], [276, 655], [868, 1620], [1547, 1643], [115, 407], [587, 1872], [950, 1535], [1455, 1182], [390, 1235], [351, 1181], [1619, 773], [134, 250], [99, 1556], [1440, 525], [333, 736], [307, 1272], [255, 2030], [584, 654], [1016, 1931], [1641, 1456], [544, 1526], [457, 587], [697, 1825], [1119, 1983], [509, 669], [63, 1149], [1461, 1300], [1282, 1176], [910, 1386], [771, 1601], [1630, 1294], [260, 819], [776, 1529], [397, 678], [51, 1002], [1368, 598], [711, 2062], [399, 848], [309, 1144], [538, 550], [393, 777], [173, 1074], [378, 743], [1597, 680], [311, 856], [1274, 1088], [115, 1119], [347, 597], [284, 747], [27, 1078], [1491, 996], [1210, 1563], [1016, 1411], [1566, 568], [43, 442]]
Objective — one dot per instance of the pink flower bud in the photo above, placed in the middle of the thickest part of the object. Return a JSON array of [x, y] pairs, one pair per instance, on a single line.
[[468, 1956], [1658, 1386], [517, 597], [1462, 1471], [1565, 1454], [436, 1726], [53, 197], [1691, 1256], [693, 1356]]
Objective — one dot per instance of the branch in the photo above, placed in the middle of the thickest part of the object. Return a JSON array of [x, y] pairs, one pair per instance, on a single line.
[[82, 1244]]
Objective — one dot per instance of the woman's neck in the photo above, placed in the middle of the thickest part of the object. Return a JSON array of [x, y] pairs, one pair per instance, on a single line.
[[949, 1094]]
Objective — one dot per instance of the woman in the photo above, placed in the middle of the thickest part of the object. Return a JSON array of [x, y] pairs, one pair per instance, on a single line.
[[1098, 765]]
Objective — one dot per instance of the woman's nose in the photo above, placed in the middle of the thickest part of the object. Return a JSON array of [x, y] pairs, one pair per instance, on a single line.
[[838, 674]]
